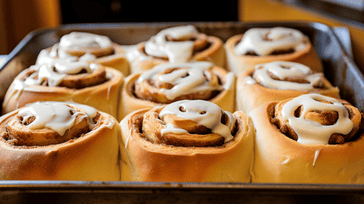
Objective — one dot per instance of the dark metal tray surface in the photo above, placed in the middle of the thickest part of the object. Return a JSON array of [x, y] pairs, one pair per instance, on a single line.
[[339, 68]]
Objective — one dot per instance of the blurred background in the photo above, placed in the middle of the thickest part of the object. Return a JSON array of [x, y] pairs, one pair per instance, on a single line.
[[18, 17]]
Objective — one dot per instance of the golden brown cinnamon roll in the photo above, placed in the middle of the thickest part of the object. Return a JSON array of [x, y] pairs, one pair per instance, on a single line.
[[59, 141], [167, 83], [262, 45], [279, 80], [308, 139], [96, 48], [178, 44], [76, 80], [195, 138]]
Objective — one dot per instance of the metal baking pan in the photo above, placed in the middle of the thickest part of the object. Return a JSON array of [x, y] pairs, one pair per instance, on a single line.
[[339, 67]]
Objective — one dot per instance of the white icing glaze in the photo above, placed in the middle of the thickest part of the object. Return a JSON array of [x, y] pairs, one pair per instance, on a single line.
[[76, 40], [283, 70], [310, 132], [57, 56], [286, 160], [193, 82], [54, 69], [171, 128], [91, 112], [63, 61], [230, 77], [203, 112], [53, 115], [317, 153], [46, 72], [249, 80], [132, 53], [280, 39], [177, 52], [109, 125]]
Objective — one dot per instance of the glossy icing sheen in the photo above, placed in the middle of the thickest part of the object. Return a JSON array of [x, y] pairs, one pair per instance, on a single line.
[[310, 132], [54, 74], [176, 51], [202, 112], [279, 39], [54, 115], [283, 70], [54, 66], [76, 40], [58, 56], [188, 80]]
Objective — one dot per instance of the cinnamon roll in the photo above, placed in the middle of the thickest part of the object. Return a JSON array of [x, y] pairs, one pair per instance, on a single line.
[[96, 48], [180, 44], [308, 139], [59, 141], [279, 80], [195, 138], [70, 79], [167, 83], [262, 45]]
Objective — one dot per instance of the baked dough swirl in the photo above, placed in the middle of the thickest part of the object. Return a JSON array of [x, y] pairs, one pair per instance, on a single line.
[[308, 139], [207, 124], [59, 141], [80, 43], [195, 137], [96, 48], [178, 44], [71, 79], [317, 119], [265, 41], [279, 80], [167, 83], [262, 45]]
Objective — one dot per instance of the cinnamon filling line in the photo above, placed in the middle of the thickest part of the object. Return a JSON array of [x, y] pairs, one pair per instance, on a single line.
[[346, 122]]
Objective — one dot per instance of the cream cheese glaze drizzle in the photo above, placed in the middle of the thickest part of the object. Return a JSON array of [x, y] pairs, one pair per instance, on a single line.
[[203, 112], [310, 132], [76, 40], [53, 115], [177, 52], [279, 38], [53, 69], [54, 66], [185, 81], [53, 74], [56, 55], [283, 70]]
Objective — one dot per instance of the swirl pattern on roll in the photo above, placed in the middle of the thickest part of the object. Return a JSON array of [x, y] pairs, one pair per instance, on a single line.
[[47, 123], [286, 75], [81, 43], [317, 119], [176, 44], [189, 123], [53, 140], [70, 73], [65, 77], [270, 41], [166, 83], [81, 39]]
